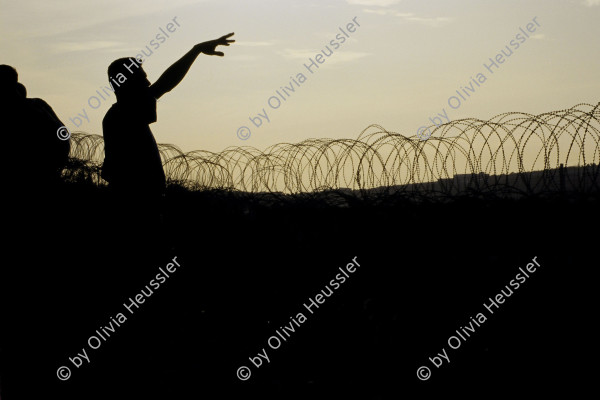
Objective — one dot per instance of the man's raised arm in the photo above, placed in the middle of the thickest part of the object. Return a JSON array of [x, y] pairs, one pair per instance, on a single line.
[[175, 73]]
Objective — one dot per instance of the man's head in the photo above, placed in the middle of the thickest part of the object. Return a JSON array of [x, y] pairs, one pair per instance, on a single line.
[[127, 77], [8, 80]]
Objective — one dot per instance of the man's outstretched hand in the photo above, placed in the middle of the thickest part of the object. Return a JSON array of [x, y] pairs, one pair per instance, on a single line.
[[175, 73], [209, 47]]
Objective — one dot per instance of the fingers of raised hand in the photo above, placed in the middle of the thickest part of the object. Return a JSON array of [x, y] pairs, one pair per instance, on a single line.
[[224, 41]]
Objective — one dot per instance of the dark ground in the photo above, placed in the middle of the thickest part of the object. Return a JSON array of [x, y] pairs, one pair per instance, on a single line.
[[246, 269]]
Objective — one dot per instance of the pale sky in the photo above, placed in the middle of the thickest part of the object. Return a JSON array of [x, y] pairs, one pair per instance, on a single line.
[[397, 69]]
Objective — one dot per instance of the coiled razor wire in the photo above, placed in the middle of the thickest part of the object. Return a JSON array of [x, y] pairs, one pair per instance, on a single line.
[[511, 154]]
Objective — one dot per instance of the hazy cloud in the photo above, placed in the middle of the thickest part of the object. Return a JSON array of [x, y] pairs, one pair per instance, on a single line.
[[253, 44], [336, 58], [435, 21], [429, 21], [377, 3], [66, 47], [378, 12]]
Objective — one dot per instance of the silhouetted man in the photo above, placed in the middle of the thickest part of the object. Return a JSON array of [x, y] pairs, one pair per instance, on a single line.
[[132, 163]]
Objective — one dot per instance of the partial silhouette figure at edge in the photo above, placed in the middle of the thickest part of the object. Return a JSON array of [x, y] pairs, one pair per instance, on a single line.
[[36, 154]]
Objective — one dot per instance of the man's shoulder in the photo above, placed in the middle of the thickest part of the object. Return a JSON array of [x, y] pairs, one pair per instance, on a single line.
[[37, 102]]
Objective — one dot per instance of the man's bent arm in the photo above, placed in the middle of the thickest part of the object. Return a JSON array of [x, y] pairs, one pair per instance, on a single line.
[[176, 72]]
